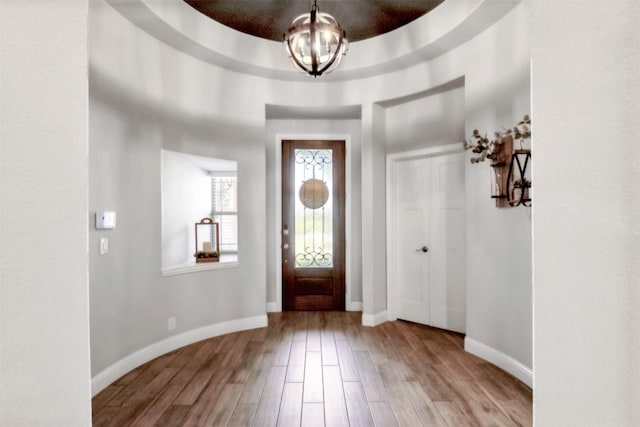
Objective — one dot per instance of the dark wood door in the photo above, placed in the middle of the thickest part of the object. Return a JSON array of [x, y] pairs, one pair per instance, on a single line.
[[313, 242]]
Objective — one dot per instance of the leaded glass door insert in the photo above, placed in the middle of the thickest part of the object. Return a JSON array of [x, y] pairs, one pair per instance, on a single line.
[[313, 225], [313, 246]]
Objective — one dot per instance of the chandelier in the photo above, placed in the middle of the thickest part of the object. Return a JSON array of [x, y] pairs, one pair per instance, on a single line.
[[315, 42]]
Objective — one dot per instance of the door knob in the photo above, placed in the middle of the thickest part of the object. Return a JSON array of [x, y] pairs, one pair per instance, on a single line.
[[423, 249]]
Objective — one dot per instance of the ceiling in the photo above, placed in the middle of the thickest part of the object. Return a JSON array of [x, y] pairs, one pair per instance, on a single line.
[[269, 19]]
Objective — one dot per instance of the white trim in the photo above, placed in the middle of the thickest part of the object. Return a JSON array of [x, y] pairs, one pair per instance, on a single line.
[[194, 268], [108, 375], [272, 307], [223, 174], [501, 360], [354, 306], [391, 238], [347, 222], [374, 319], [278, 215], [441, 150], [278, 222]]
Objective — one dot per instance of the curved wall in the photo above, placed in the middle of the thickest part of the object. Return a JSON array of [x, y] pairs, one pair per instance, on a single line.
[[147, 95]]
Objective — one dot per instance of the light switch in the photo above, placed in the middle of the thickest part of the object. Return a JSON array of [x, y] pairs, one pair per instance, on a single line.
[[104, 246], [105, 220]]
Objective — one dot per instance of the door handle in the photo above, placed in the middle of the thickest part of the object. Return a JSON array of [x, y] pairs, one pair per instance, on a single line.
[[423, 249]]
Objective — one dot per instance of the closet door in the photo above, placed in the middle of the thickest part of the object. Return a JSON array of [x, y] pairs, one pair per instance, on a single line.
[[430, 241], [413, 272]]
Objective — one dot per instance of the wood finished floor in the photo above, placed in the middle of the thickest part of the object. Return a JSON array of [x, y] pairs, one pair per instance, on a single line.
[[318, 369]]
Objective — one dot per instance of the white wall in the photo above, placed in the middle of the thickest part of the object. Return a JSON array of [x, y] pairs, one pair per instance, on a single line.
[[132, 118], [306, 128], [44, 322], [428, 120], [486, 85], [374, 288], [130, 301], [586, 213], [499, 282]]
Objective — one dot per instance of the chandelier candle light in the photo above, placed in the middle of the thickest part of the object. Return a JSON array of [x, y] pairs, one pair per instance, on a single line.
[[315, 42]]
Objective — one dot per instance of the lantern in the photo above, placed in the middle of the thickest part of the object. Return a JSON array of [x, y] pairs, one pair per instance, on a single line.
[[207, 241]]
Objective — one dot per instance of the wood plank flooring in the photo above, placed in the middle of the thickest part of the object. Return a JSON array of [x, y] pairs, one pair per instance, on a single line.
[[318, 369]]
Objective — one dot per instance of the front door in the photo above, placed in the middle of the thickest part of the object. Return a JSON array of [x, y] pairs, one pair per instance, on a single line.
[[313, 231]]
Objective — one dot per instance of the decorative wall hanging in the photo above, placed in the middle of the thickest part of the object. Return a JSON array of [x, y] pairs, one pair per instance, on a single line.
[[207, 241], [519, 184], [510, 184], [314, 193]]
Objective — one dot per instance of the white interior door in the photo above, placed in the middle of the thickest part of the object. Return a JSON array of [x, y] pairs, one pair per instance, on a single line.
[[430, 274], [412, 219], [448, 236]]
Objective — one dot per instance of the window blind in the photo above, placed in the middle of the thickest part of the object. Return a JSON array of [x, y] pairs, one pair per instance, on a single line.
[[224, 210]]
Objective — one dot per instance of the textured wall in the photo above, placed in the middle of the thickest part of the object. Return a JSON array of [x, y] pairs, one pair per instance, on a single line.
[[586, 213], [44, 320]]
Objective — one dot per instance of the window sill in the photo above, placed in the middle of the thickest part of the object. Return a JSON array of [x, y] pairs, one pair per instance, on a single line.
[[226, 261]]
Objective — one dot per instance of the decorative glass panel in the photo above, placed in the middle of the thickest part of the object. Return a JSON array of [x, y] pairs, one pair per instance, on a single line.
[[313, 209]]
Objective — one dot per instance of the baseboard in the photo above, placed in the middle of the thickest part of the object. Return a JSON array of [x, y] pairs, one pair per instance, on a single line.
[[107, 376], [272, 307], [354, 306], [501, 360], [374, 319]]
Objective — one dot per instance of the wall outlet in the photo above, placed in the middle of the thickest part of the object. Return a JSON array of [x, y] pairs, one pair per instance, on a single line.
[[171, 323]]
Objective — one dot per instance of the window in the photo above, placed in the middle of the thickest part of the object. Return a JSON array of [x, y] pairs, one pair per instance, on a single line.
[[224, 209]]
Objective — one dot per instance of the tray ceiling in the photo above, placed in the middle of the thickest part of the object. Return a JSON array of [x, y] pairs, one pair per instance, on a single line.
[[269, 19]]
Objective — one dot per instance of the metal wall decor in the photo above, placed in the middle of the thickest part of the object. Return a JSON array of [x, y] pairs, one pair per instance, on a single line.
[[314, 209], [510, 184], [519, 184]]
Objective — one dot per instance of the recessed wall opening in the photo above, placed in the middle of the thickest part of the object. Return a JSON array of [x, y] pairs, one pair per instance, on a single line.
[[197, 188]]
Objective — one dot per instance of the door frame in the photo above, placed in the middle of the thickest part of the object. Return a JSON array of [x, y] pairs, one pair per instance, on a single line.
[[277, 244], [392, 160]]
